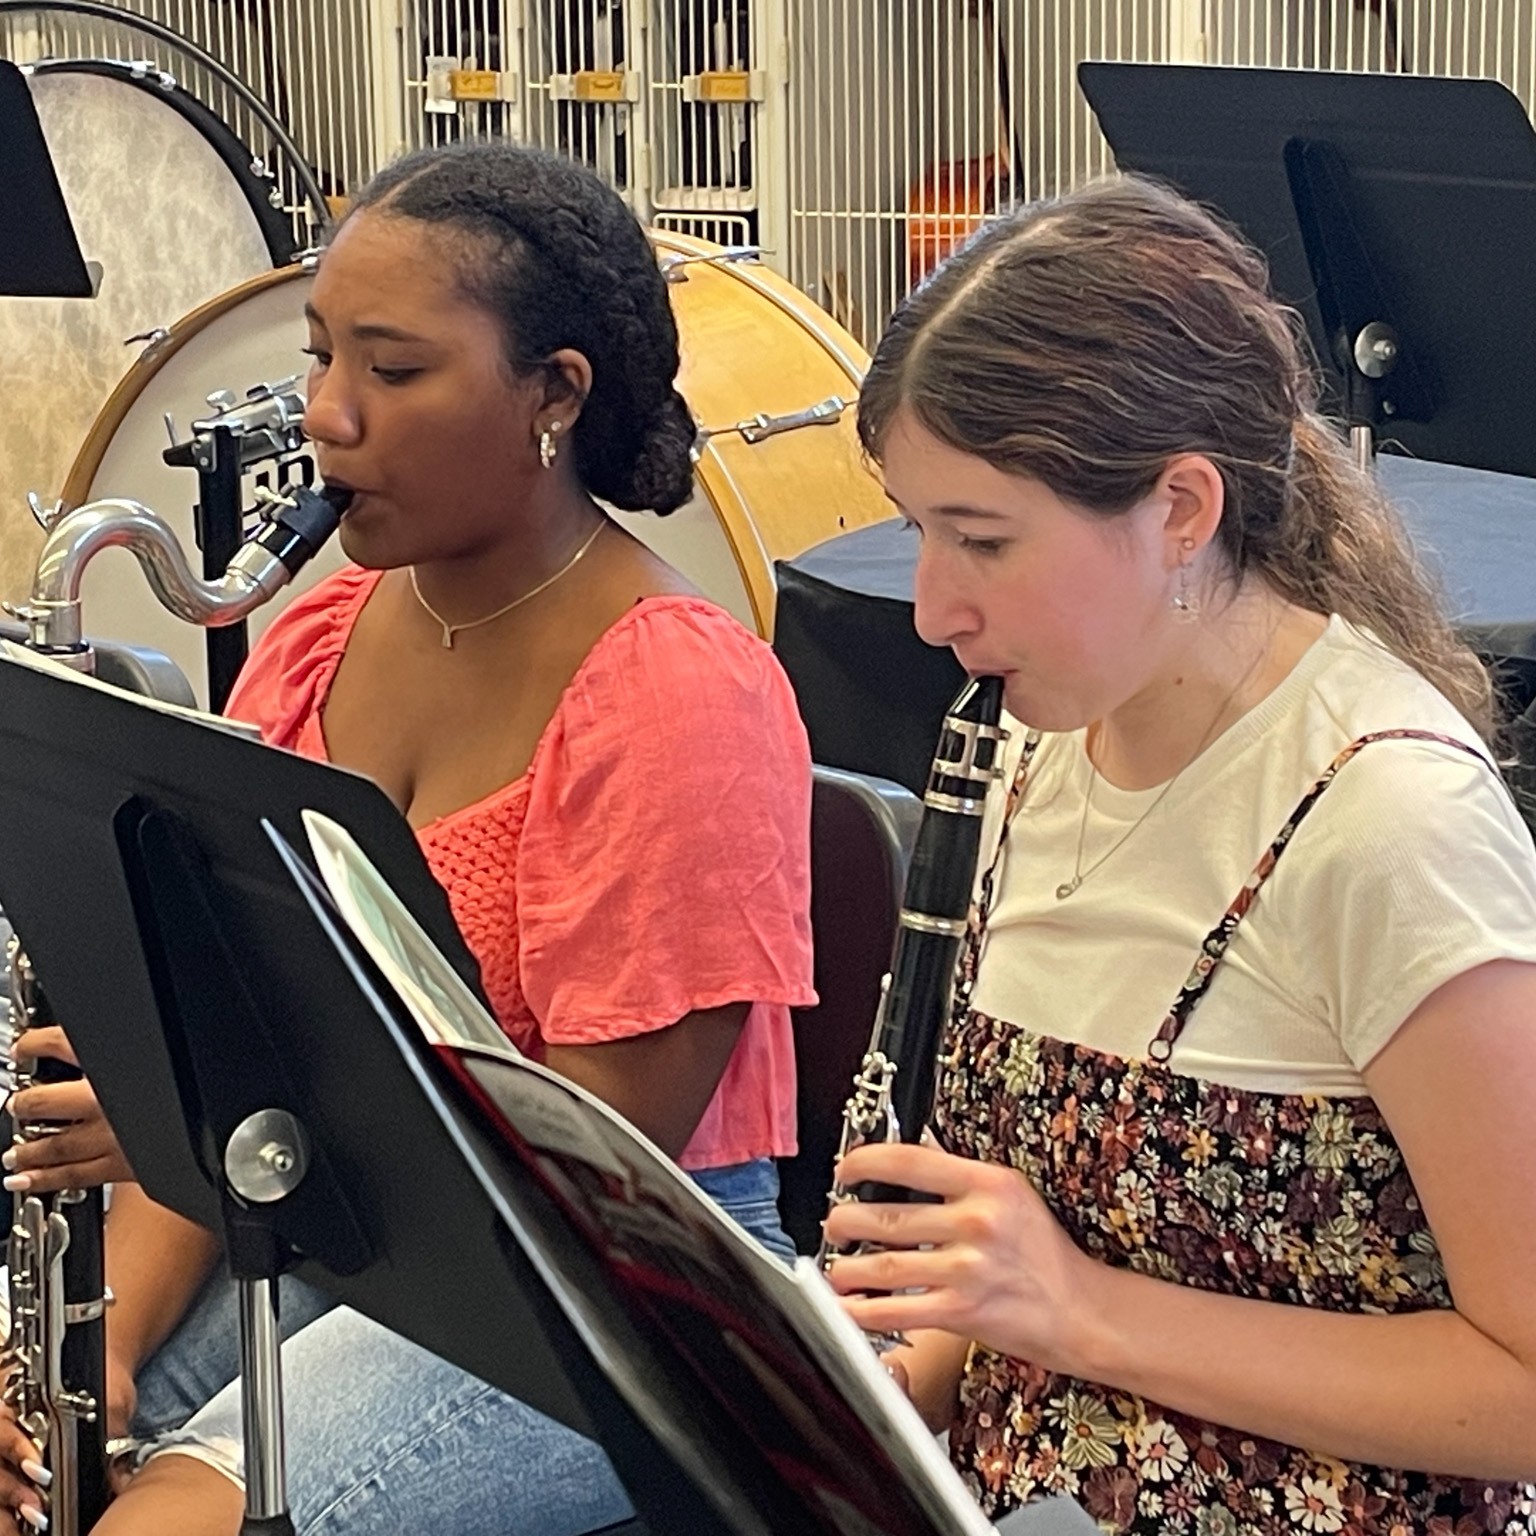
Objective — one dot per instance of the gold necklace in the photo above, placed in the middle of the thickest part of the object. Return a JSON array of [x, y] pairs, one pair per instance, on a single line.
[[450, 630], [1079, 874]]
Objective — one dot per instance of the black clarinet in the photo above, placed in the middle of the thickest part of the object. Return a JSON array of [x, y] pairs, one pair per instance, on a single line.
[[893, 1090]]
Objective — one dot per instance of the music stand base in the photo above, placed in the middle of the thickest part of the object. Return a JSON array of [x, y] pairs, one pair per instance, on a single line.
[[267, 1525]]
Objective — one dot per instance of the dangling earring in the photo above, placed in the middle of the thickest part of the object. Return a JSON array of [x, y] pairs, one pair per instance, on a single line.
[[1186, 605], [547, 446]]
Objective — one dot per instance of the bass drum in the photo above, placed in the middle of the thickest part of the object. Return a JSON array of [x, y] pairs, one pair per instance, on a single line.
[[758, 357], [753, 346], [163, 196]]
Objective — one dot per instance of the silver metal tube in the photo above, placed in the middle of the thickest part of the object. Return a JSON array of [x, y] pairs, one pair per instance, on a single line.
[[261, 1401], [53, 613]]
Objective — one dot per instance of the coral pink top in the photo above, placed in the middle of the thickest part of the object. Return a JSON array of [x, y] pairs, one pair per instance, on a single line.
[[653, 860]]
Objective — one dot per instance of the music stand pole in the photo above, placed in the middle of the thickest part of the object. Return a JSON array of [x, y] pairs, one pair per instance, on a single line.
[[261, 1413], [264, 1161]]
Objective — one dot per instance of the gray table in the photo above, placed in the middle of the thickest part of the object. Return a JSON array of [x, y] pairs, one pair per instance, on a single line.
[[1476, 529]]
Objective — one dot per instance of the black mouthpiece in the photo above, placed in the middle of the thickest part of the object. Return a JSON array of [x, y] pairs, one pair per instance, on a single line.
[[302, 525]]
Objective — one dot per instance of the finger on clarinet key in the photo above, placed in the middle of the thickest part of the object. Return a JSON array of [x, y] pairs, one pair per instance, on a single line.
[[926, 1168], [45, 1040], [890, 1226]]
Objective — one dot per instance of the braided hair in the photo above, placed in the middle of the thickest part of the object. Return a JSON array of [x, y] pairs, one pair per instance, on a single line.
[[556, 255]]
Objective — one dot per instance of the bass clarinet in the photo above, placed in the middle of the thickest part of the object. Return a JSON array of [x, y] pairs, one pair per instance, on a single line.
[[56, 1352], [893, 1088], [54, 1357]]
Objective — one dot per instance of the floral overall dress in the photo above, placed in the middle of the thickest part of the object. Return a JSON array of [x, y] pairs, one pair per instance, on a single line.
[[1280, 1197]]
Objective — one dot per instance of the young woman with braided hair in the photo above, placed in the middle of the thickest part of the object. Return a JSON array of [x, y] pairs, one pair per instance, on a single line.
[[550, 705], [1234, 1116]]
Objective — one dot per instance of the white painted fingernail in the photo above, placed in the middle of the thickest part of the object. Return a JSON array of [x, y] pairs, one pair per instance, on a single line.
[[17, 1183], [38, 1473], [33, 1516], [8, 1158]]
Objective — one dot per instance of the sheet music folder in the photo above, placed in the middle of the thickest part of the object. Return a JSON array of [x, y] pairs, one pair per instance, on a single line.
[[762, 1389], [40, 256], [1431, 194]]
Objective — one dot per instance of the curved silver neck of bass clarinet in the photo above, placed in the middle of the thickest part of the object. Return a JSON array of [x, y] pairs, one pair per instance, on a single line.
[[259, 569], [52, 614]]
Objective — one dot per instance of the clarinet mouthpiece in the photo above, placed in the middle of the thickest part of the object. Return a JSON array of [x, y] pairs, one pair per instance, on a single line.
[[301, 523]]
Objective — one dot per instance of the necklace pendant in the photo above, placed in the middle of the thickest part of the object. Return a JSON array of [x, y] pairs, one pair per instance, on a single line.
[[447, 638], [1067, 887]]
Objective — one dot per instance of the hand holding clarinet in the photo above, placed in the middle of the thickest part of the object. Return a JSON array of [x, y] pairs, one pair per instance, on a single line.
[[917, 1238]]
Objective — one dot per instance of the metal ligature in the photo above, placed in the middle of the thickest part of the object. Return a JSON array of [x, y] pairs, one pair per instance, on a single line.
[[893, 1089], [54, 1356]]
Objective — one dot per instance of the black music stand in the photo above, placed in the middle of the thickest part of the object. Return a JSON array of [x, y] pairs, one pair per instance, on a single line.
[[136, 866], [40, 257], [261, 1072], [1398, 214]]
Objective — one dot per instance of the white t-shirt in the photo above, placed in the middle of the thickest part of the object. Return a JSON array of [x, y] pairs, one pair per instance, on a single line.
[[1412, 868]]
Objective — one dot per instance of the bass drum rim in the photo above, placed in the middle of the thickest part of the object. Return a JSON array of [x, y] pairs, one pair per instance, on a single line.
[[237, 159], [114, 411]]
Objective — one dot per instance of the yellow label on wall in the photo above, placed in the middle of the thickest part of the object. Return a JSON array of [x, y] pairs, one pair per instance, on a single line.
[[724, 85], [474, 84], [598, 85]]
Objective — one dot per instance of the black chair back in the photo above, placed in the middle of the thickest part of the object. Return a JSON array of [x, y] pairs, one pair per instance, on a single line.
[[862, 830], [871, 693]]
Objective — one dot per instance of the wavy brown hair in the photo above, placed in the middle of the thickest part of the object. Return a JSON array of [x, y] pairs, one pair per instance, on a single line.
[[1086, 341]]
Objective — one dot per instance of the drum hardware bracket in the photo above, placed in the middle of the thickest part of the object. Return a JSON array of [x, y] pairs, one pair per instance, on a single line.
[[147, 69], [151, 338], [261, 171], [756, 429], [46, 516], [672, 265]]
